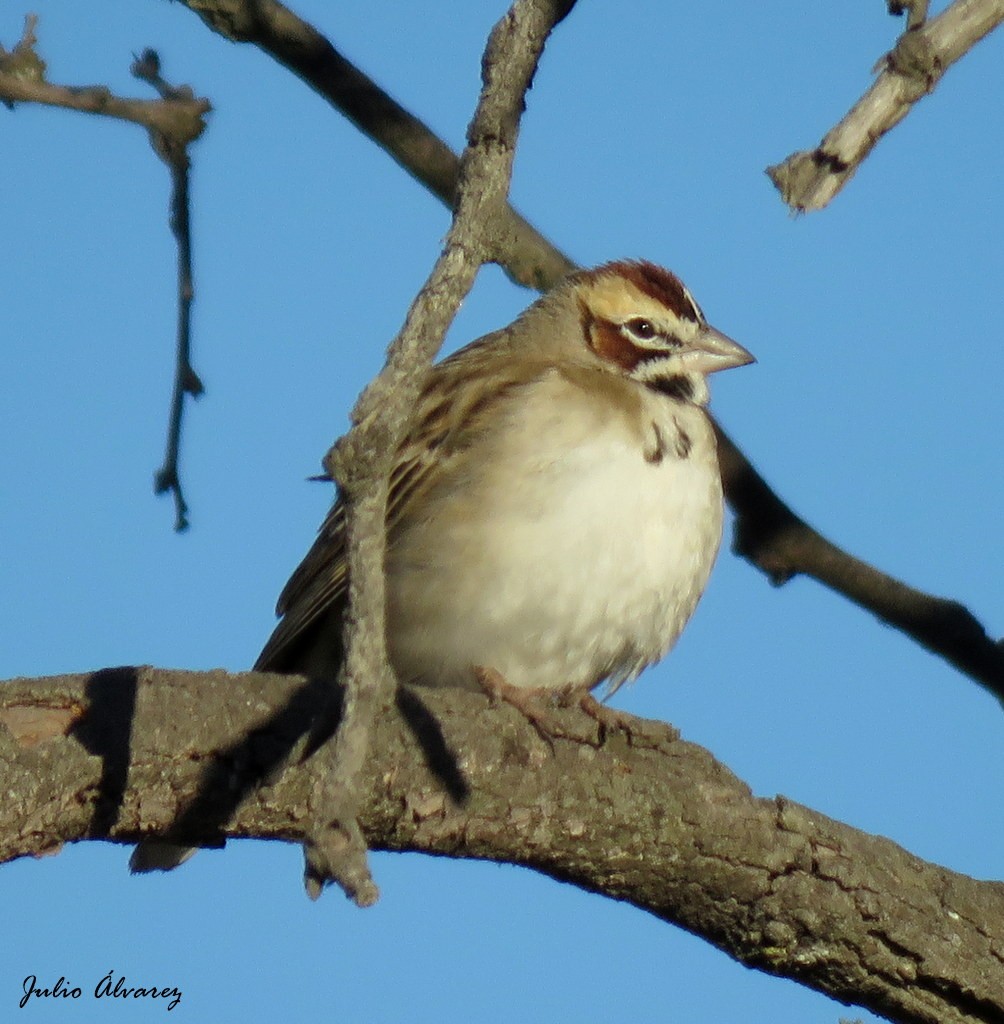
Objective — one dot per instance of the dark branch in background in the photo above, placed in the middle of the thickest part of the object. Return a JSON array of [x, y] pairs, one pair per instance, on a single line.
[[664, 827], [334, 847], [776, 540], [530, 260], [809, 179], [174, 121], [174, 152], [764, 524]]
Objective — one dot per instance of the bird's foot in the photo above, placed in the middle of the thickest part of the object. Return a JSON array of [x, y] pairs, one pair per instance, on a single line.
[[543, 708], [638, 731], [537, 706]]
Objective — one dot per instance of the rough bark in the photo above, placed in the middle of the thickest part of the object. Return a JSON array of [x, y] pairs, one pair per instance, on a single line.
[[657, 822]]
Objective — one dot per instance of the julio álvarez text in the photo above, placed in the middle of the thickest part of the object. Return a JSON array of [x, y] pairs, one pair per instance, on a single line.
[[109, 987]]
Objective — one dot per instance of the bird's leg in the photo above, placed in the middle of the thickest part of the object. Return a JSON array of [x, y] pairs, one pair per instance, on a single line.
[[526, 701]]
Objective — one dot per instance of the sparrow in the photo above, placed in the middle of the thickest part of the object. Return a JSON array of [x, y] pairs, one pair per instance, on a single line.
[[555, 509]]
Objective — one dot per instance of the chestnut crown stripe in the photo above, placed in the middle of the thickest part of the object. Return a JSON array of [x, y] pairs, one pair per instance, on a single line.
[[657, 283]]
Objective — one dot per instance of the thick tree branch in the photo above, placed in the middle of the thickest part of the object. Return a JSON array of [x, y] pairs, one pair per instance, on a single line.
[[116, 754], [943, 627], [362, 460], [809, 179]]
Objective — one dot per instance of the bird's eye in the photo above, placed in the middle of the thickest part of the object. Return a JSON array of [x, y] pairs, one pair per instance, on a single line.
[[642, 329]]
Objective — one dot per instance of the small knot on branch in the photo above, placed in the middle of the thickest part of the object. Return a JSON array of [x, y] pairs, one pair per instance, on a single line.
[[915, 59]]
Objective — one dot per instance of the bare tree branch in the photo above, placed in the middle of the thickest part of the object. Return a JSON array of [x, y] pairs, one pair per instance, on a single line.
[[174, 153], [771, 536], [362, 460], [665, 827], [809, 179], [916, 11], [530, 260], [174, 121], [22, 80], [944, 627]]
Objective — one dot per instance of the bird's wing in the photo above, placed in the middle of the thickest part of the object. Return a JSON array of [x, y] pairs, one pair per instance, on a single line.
[[450, 414]]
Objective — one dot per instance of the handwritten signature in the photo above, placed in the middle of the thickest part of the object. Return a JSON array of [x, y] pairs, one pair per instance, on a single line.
[[108, 987]]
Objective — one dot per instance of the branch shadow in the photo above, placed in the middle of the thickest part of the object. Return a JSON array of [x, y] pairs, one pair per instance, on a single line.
[[106, 731], [439, 757], [311, 714], [313, 710]]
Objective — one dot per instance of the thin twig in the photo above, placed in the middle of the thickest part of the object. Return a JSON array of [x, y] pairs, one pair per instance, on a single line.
[[186, 381], [299, 46], [22, 80], [335, 849], [174, 121], [809, 179], [174, 153], [915, 10]]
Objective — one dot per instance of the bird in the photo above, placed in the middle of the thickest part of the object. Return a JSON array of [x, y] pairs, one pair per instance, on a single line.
[[554, 509]]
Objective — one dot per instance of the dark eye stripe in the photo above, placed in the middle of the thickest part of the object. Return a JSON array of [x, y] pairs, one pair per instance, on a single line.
[[613, 343]]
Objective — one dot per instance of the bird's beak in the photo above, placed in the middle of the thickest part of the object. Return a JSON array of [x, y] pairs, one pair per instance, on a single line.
[[711, 350]]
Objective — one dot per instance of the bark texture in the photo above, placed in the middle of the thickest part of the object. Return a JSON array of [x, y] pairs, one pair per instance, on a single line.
[[128, 753]]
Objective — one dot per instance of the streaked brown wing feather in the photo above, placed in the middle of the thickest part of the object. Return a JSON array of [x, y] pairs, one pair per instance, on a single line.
[[319, 582], [451, 411]]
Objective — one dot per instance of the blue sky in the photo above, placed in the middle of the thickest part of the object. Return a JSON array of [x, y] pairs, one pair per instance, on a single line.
[[874, 409]]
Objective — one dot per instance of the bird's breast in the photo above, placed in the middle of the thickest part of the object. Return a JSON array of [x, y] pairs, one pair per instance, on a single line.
[[570, 546]]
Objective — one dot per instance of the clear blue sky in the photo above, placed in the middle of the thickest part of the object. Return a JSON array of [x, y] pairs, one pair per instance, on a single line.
[[874, 408]]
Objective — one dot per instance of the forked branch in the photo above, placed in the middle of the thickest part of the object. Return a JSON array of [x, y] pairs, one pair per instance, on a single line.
[[944, 627], [173, 122], [362, 460]]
